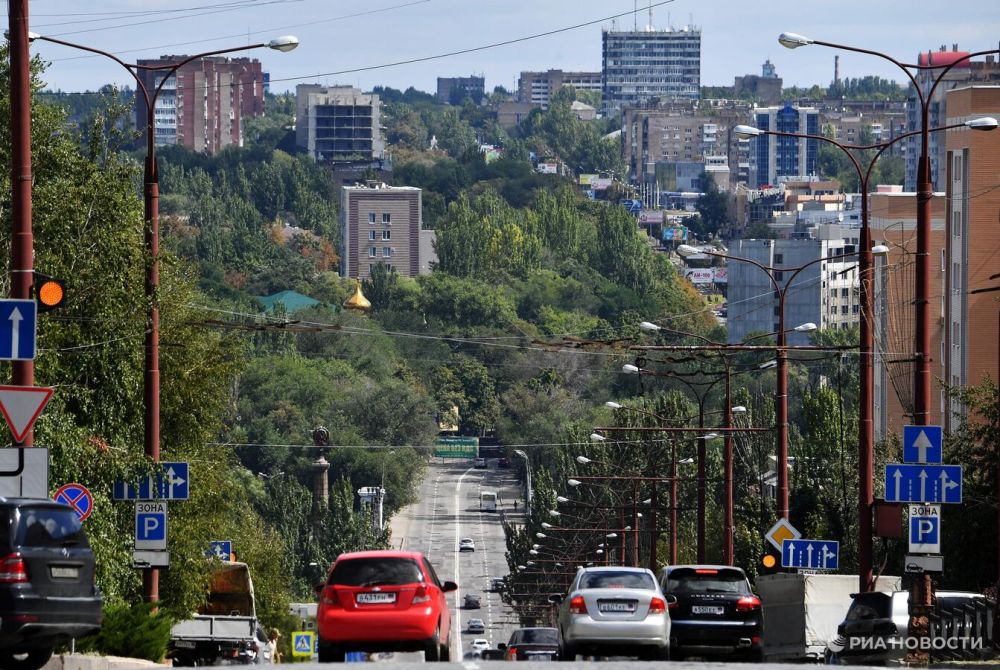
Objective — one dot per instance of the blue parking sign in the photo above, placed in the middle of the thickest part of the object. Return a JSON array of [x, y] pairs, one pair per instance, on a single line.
[[925, 529]]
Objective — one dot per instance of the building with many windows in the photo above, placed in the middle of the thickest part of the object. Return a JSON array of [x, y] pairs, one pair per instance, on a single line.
[[638, 65], [774, 157], [538, 88], [202, 105], [453, 90], [338, 123], [382, 224]]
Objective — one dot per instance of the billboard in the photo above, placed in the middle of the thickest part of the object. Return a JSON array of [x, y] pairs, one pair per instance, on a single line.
[[547, 168], [651, 216], [587, 179], [699, 275], [675, 234], [456, 447], [601, 183], [721, 275]]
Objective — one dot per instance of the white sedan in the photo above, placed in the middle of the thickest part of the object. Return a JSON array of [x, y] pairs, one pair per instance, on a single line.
[[466, 544], [480, 644]]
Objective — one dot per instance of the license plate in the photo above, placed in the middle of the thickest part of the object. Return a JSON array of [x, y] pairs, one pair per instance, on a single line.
[[184, 644], [546, 656], [64, 572], [707, 609], [375, 598], [628, 607]]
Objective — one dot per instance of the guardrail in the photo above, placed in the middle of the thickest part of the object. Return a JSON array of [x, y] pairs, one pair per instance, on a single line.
[[966, 632]]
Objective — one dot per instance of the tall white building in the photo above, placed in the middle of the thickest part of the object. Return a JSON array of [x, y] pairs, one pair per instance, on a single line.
[[638, 65], [825, 293]]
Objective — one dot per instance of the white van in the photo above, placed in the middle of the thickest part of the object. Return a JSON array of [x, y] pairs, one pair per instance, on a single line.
[[488, 501]]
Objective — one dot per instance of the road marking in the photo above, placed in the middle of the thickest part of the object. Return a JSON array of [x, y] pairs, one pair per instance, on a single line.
[[457, 624]]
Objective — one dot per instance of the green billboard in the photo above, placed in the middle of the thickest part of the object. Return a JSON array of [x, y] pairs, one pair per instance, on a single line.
[[456, 447]]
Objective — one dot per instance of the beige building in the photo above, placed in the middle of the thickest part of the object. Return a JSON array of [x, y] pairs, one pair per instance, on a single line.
[[338, 123], [539, 87], [382, 224]]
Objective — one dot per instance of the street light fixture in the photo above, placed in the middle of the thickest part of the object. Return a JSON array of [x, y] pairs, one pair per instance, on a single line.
[[630, 369], [546, 525], [597, 437], [793, 40], [285, 43], [649, 327], [541, 536], [738, 409], [573, 482], [583, 460], [612, 404]]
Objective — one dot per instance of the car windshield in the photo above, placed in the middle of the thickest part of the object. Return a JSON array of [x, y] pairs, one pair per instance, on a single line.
[[869, 606], [466, 540], [376, 572], [536, 636], [49, 527], [693, 580], [617, 579]]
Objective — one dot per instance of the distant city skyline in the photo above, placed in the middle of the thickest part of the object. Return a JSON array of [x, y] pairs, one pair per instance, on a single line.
[[737, 37]]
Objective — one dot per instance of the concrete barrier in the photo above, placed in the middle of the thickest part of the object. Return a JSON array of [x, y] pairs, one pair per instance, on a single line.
[[88, 662]]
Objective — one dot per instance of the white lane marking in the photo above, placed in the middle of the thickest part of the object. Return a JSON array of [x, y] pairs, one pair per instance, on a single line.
[[457, 624]]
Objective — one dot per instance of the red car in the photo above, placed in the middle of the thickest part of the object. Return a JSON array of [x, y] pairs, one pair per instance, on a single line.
[[383, 601]]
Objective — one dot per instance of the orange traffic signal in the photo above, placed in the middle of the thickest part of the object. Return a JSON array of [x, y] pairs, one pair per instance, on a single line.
[[49, 292]]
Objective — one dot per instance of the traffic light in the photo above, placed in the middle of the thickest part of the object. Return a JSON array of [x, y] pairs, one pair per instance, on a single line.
[[768, 564], [48, 292]]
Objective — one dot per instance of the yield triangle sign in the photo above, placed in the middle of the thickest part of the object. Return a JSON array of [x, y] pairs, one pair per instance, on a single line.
[[21, 406]]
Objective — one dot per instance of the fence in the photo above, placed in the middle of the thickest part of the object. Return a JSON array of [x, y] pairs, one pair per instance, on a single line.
[[967, 631]]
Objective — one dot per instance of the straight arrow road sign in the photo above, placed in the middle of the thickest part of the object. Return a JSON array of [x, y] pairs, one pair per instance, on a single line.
[[916, 483], [18, 327], [173, 483], [810, 554], [922, 444]]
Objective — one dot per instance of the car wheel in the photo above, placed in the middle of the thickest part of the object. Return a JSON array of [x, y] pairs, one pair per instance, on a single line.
[[30, 660], [432, 649], [446, 653], [330, 653]]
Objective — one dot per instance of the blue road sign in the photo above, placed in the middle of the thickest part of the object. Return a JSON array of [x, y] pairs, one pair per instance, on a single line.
[[302, 644], [925, 529], [914, 483], [78, 497], [151, 525], [922, 444], [221, 549], [356, 657], [810, 554], [18, 325], [173, 483]]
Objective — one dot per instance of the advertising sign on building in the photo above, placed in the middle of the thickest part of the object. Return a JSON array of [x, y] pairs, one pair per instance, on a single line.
[[675, 234], [587, 179], [547, 168], [699, 275], [651, 216], [721, 275], [601, 183]]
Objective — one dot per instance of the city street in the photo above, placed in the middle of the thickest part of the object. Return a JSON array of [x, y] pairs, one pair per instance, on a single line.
[[446, 511]]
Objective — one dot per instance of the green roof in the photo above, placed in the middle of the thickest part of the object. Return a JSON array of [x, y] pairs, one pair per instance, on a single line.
[[292, 300]]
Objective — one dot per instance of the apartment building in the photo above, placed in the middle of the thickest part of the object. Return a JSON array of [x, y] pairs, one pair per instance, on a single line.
[[764, 88], [338, 123], [202, 105], [824, 293], [774, 157], [382, 224], [454, 90], [639, 65], [537, 88]]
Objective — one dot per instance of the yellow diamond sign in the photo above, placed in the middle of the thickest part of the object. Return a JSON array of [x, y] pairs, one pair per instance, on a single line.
[[780, 532]]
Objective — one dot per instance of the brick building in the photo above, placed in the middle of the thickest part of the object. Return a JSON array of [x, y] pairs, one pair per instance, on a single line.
[[382, 224]]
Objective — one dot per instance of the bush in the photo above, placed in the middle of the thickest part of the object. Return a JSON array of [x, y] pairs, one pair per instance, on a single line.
[[135, 631]]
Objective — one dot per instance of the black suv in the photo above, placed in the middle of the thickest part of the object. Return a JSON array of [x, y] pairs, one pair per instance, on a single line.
[[713, 612], [47, 589]]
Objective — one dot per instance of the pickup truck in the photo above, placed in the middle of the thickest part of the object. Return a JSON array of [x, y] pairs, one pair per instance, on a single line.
[[224, 627]]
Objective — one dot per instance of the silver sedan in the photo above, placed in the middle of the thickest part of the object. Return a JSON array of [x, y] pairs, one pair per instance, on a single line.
[[613, 611]]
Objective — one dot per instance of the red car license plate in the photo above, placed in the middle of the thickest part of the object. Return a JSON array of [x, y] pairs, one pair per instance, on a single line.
[[374, 598]]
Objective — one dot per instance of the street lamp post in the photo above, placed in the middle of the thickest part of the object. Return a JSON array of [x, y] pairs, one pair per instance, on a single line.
[[520, 453], [151, 238]]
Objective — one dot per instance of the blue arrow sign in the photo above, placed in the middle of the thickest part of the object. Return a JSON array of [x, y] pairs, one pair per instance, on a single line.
[[18, 324], [922, 444], [221, 549], [810, 554], [173, 483], [906, 483]]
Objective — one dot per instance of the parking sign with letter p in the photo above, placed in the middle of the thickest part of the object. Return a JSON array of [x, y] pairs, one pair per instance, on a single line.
[[925, 529]]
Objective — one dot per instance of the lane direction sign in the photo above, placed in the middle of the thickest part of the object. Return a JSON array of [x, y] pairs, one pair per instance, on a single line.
[[78, 497], [24, 472], [221, 549], [21, 407], [925, 529], [918, 483], [18, 328], [810, 554], [151, 525], [781, 531], [922, 444], [172, 483]]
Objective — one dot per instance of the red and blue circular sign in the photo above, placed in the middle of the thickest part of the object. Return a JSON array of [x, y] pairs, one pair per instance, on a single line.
[[78, 497]]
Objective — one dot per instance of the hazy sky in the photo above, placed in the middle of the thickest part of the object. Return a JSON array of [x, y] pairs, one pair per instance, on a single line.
[[339, 35]]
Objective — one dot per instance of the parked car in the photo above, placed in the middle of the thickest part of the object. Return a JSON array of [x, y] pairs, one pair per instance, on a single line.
[[466, 544], [496, 585], [475, 626], [377, 601], [472, 601], [480, 645], [713, 612], [531, 644], [876, 626], [47, 590], [479, 463], [613, 611]]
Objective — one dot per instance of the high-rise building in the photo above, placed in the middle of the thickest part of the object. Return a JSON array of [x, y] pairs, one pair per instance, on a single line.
[[202, 105], [382, 224], [539, 87], [638, 65], [453, 90], [773, 157], [338, 123]]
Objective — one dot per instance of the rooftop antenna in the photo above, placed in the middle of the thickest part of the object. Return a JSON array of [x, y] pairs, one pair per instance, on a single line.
[[651, 15], [635, 15]]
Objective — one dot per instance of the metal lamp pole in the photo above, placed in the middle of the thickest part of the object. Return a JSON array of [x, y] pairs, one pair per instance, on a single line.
[[151, 240], [527, 481]]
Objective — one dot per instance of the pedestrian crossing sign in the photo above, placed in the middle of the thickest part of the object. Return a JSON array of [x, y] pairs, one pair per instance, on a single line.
[[302, 644]]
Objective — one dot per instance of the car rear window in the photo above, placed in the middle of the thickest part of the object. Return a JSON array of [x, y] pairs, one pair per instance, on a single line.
[[869, 606], [609, 579], [537, 636], [376, 572], [49, 527], [693, 580]]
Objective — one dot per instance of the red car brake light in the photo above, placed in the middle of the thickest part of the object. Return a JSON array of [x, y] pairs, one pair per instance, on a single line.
[[577, 605], [329, 597], [657, 606], [706, 571], [12, 570], [511, 654], [748, 604], [421, 596]]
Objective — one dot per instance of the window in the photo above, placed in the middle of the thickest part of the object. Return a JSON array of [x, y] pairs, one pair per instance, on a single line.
[[843, 309], [944, 263], [386, 234], [372, 252], [956, 277], [371, 217], [956, 224], [386, 252], [779, 276], [777, 311], [388, 571], [845, 292], [833, 293], [371, 235], [855, 309], [779, 259], [957, 174], [833, 309], [386, 218], [956, 333]]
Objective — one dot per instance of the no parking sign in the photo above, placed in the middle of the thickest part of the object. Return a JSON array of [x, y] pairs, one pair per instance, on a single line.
[[78, 497]]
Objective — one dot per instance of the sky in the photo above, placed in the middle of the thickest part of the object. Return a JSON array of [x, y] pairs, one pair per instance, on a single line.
[[340, 35]]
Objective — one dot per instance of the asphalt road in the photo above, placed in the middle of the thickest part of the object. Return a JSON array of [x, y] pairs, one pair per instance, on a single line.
[[447, 509], [578, 665]]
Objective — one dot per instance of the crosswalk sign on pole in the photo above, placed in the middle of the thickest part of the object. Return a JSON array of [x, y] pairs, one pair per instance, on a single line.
[[302, 644]]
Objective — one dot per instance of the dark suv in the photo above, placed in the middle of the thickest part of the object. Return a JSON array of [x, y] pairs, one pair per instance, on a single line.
[[47, 589], [713, 612]]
